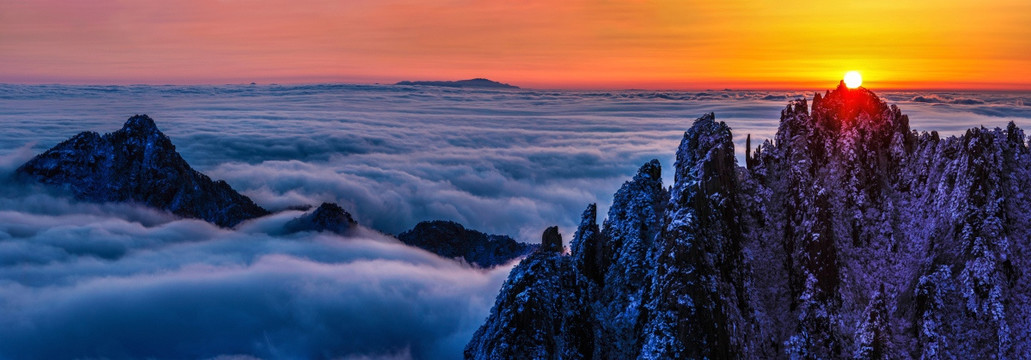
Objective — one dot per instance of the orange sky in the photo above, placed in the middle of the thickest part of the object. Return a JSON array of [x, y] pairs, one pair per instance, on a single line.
[[549, 44]]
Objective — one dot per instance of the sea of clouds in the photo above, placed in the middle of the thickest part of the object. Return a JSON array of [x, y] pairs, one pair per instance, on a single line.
[[117, 280], [81, 280]]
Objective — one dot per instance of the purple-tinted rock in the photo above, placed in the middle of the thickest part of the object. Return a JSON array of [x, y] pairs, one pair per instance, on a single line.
[[138, 164], [452, 240]]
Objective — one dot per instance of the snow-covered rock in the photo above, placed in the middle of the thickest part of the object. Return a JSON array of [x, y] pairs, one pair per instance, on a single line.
[[539, 313], [847, 236], [138, 164]]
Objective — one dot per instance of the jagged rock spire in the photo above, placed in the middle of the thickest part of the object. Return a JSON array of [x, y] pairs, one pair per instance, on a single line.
[[749, 163], [696, 291], [850, 236], [588, 248], [551, 240], [588, 228]]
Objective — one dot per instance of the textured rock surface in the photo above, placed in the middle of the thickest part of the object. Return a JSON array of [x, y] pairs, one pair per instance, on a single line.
[[327, 217], [539, 313], [138, 164], [848, 236], [452, 240]]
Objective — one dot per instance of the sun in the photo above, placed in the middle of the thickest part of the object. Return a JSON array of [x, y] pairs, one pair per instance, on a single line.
[[853, 79]]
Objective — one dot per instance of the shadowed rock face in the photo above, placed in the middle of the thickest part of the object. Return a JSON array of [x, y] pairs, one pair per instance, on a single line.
[[849, 236], [452, 240], [138, 164], [540, 312], [327, 217], [551, 240]]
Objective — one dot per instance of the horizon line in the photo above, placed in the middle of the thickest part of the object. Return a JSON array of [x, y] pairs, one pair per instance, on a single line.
[[808, 87]]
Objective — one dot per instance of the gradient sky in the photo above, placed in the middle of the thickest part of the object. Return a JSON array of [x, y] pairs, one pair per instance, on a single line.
[[532, 43]]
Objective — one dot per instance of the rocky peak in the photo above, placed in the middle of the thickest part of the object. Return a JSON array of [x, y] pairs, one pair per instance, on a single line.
[[837, 113], [588, 248], [332, 214], [634, 219], [851, 128], [590, 216], [705, 157], [636, 211], [452, 240], [588, 227], [140, 124], [551, 241], [697, 280], [651, 170], [138, 164], [83, 139], [327, 217], [536, 316], [141, 133], [843, 107], [850, 236]]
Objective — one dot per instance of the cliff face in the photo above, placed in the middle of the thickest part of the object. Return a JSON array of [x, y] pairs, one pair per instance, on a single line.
[[849, 236], [138, 164]]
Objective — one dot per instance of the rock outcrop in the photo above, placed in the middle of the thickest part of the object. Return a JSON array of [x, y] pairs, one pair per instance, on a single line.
[[452, 240], [540, 312], [327, 217], [138, 164], [846, 236]]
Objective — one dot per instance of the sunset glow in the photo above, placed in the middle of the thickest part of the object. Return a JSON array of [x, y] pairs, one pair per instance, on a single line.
[[853, 79], [574, 44]]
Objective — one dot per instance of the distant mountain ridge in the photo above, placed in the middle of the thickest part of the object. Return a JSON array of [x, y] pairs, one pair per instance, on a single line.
[[452, 240], [471, 83]]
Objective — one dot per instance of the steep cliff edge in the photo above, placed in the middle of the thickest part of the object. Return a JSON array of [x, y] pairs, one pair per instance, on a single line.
[[846, 236]]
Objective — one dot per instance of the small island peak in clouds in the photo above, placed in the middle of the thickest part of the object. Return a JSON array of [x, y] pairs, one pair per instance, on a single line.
[[480, 83]]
